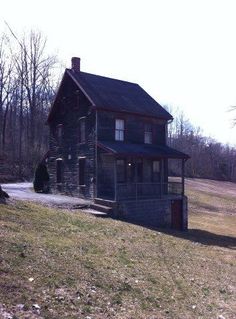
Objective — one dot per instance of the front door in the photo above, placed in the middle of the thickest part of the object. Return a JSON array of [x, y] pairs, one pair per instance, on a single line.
[[177, 214]]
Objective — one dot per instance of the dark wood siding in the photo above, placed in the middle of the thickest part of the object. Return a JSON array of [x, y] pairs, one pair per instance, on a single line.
[[134, 127]]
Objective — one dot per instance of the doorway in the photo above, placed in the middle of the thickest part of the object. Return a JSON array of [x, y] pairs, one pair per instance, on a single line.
[[177, 214]]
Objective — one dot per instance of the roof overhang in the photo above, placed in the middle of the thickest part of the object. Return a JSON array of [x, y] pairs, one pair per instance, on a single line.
[[120, 149]]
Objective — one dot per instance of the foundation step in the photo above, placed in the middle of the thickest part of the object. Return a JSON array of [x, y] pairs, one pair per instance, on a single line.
[[104, 202], [101, 208], [95, 213]]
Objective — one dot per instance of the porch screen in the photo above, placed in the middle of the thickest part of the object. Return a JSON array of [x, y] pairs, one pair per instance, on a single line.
[[119, 132], [156, 171], [139, 171], [120, 169]]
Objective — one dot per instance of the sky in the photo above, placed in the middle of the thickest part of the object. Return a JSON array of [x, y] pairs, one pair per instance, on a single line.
[[183, 53]]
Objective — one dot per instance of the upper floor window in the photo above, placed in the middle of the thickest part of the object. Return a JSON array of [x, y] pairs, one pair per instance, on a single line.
[[148, 134], [59, 131], [82, 131], [120, 129]]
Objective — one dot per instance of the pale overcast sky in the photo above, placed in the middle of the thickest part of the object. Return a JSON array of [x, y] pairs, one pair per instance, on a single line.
[[183, 53]]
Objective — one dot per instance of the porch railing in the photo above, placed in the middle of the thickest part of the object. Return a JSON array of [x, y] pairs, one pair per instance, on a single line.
[[147, 190]]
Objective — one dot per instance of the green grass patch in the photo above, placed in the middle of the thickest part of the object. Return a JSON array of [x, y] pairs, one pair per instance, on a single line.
[[74, 265]]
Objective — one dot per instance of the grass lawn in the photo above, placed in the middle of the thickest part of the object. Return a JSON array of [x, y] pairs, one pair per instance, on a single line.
[[71, 265]]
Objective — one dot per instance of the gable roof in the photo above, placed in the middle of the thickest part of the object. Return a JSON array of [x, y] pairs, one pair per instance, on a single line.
[[116, 95]]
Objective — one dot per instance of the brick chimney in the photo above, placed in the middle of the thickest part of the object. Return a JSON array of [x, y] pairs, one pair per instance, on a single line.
[[75, 64]]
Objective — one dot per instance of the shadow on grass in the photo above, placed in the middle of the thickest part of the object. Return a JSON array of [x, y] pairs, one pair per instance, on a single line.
[[197, 236], [204, 237]]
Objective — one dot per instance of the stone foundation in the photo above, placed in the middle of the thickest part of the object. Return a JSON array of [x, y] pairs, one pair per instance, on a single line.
[[151, 212]]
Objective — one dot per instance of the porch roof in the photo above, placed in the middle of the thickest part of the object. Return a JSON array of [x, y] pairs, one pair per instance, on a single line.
[[141, 150]]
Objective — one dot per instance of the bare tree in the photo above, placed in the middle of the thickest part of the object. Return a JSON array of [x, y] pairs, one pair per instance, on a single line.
[[27, 87]]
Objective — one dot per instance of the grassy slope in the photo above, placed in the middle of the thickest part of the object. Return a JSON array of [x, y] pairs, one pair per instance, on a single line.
[[83, 266]]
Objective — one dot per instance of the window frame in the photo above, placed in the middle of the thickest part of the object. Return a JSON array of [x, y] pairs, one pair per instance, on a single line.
[[59, 171], [59, 131], [148, 133], [82, 174], [119, 132]]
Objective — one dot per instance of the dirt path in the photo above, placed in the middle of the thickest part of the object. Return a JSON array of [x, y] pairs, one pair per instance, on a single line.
[[24, 191]]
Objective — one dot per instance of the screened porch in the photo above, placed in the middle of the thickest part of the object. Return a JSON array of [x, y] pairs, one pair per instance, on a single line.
[[140, 178], [131, 178]]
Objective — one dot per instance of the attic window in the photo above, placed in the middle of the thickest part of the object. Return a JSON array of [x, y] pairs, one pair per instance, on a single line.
[[82, 130], [148, 133], [119, 130]]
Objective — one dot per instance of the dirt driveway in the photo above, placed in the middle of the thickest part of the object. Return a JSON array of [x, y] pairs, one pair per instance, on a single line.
[[24, 191]]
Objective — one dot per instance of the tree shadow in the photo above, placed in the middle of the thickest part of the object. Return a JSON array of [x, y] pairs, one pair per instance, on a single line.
[[197, 236]]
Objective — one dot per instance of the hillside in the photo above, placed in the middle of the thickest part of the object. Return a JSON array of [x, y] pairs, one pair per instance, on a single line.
[[66, 264]]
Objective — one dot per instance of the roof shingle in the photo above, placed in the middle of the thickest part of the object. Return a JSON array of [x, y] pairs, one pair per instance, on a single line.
[[117, 95]]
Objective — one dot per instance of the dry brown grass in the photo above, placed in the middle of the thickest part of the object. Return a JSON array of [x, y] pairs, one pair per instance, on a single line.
[[87, 267]]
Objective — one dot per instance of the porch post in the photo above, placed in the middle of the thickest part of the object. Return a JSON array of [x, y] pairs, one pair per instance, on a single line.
[[136, 177], [162, 177], [115, 180], [183, 169]]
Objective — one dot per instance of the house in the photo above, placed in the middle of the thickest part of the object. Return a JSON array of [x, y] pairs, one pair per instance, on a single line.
[[108, 143]]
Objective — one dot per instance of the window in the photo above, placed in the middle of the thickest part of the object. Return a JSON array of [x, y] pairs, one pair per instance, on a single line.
[[148, 134], [59, 131], [82, 131], [82, 171], [59, 170], [119, 131], [120, 170], [156, 171]]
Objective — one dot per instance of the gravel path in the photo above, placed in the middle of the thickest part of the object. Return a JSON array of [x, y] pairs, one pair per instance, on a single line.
[[24, 191]]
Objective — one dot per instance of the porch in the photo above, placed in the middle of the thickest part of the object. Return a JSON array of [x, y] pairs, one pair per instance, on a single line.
[[141, 191], [138, 175]]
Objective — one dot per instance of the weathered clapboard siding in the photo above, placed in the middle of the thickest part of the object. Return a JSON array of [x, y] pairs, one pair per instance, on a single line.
[[134, 127]]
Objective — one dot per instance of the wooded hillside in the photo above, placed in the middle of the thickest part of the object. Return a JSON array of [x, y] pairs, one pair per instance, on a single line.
[[209, 158]]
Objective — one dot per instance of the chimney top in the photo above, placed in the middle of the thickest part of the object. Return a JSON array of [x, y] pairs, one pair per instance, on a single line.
[[75, 64]]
